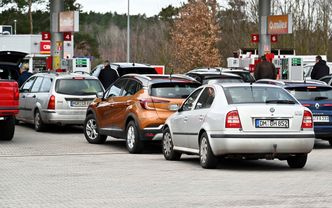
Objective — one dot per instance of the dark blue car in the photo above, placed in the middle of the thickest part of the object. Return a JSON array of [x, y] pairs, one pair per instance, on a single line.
[[315, 96]]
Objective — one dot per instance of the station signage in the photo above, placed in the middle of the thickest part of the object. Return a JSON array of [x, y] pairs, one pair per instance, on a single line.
[[274, 38], [280, 24], [46, 36], [254, 38], [45, 47]]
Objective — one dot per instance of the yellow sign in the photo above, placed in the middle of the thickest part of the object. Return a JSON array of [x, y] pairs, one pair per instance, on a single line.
[[56, 62]]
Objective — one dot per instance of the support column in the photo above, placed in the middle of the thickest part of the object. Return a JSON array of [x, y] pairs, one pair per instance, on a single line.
[[56, 6], [264, 10]]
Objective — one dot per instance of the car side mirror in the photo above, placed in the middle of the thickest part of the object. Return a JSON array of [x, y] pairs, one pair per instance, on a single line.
[[100, 95]]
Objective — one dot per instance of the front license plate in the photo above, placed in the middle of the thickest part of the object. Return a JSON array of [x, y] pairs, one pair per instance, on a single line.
[[321, 118], [269, 123], [80, 103]]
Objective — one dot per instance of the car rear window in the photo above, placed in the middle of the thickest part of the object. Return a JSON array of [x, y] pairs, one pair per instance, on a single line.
[[173, 90], [136, 70], [311, 92], [78, 86], [255, 94], [9, 72], [222, 80]]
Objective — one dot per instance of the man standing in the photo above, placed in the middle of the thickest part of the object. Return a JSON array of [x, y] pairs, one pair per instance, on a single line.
[[320, 69], [25, 74], [107, 75], [265, 70]]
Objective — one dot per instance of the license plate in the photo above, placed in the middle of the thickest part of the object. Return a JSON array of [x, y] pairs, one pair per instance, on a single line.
[[269, 123], [80, 103], [321, 118]]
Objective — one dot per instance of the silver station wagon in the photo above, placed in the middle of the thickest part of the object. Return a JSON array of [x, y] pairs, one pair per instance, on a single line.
[[57, 98], [251, 121]]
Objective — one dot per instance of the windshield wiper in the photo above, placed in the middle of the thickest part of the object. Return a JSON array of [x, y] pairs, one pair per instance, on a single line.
[[280, 101], [321, 98]]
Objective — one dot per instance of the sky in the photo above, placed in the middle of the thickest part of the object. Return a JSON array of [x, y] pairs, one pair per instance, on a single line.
[[149, 7]]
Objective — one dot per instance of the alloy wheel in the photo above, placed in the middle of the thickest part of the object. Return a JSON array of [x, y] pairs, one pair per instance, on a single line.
[[204, 150], [167, 143], [131, 137], [91, 129]]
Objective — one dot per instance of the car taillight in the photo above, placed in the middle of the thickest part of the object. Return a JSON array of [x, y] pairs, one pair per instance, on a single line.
[[307, 120], [233, 120], [16, 94], [145, 103], [51, 103]]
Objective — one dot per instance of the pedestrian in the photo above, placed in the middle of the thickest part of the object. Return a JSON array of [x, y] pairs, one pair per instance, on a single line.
[[107, 75], [25, 74], [320, 69], [265, 70]]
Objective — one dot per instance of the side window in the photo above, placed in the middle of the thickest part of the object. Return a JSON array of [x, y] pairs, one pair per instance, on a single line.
[[26, 87], [326, 80], [46, 85], [206, 98], [131, 88], [115, 89], [36, 84], [188, 104]]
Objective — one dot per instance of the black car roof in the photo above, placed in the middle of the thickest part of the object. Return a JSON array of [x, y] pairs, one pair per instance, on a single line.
[[148, 79]]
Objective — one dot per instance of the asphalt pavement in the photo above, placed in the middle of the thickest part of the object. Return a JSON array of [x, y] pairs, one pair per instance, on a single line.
[[59, 168]]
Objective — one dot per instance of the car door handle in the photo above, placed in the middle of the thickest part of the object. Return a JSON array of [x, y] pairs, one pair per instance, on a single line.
[[34, 96], [128, 103], [201, 117], [23, 96], [185, 119]]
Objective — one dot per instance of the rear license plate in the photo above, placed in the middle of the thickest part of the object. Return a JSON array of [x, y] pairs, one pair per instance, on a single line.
[[269, 123], [80, 103], [321, 118]]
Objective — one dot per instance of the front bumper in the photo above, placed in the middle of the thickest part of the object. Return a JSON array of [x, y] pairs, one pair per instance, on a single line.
[[222, 144]]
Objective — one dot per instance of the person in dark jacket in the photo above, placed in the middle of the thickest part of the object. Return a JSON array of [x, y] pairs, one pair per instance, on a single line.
[[25, 74], [107, 75], [265, 70], [320, 69]]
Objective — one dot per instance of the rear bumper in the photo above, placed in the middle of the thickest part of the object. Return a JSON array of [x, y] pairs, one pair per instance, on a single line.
[[152, 133], [323, 132], [64, 117], [222, 144]]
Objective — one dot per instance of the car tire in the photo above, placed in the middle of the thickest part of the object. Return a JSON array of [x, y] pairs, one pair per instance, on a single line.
[[297, 161], [38, 122], [91, 131], [7, 128], [206, 156], [133, 142], [167, 146]]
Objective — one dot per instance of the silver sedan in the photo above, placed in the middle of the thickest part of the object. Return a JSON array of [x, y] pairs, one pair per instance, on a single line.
[[251, 121]]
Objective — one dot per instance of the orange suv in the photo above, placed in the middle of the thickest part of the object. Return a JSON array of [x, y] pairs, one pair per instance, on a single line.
[[135, 107]]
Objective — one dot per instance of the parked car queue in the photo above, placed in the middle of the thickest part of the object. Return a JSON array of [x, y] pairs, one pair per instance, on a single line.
[[136, 107]]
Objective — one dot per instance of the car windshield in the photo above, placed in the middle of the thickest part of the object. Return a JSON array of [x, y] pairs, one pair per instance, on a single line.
[[173, 90], [78, 86], [311, 92], [257, 94], [136, 70]]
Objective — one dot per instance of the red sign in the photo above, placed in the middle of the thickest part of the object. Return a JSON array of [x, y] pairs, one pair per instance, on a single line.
[[45, 47], [46, 36], [67, 36], [254, 38], [274, 38]]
